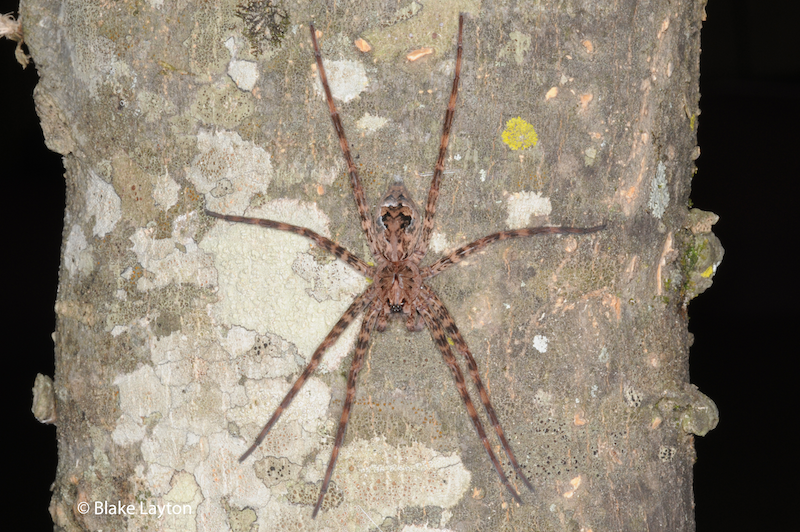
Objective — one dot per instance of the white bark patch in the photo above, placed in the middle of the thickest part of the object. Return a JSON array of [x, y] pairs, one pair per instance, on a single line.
[[383, 478], [346, 78], [331, 280], [299, 431], [438, 242], [104, 204], [523, 205], [180, 411], [371, 123], [540, 343], [229, 171], [243, 73], [238, 341], [177, 259], [659, 192], [184, 494], [78, 256], [166, 190], [265, 285], [141, 393]]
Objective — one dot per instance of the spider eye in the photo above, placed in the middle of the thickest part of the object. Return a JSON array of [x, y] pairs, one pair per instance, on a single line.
[[396, 308]]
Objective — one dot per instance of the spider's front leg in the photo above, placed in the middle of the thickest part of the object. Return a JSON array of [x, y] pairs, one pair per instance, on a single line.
[[358, 191], [325, 243], [473, 247], [433, 193]]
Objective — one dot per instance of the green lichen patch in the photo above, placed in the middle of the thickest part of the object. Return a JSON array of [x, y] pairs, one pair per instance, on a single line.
[[518, 45], [702, 253], [273, 470], [240, 519]]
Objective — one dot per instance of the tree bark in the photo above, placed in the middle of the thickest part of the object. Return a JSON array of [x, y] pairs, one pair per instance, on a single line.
[[178, 334]]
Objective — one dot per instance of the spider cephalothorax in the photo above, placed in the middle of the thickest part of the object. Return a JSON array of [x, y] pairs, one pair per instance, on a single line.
[[397, 224], [398, 240]]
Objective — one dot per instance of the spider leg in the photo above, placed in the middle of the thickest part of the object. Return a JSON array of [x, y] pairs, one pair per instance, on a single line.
[[347, 318], [355, 367], [325, 243], [433, 193], [440, 338], [358, 191], [473, 247], [442, 314]]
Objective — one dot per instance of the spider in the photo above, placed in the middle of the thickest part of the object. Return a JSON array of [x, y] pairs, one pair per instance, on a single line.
[[398, 241]]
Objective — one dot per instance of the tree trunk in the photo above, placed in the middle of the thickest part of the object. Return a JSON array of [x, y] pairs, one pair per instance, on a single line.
[[178, 334]]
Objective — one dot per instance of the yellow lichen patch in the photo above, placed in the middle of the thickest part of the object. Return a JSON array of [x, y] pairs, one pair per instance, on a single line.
[[519, 134]]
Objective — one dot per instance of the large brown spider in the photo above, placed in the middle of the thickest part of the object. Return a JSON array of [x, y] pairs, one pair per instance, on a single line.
[[398, 242]]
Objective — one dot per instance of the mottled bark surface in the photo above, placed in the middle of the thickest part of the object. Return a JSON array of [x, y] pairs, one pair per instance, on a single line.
[[178, 334]]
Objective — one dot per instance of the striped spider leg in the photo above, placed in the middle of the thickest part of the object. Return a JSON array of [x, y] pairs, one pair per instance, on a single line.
[[398, 242]]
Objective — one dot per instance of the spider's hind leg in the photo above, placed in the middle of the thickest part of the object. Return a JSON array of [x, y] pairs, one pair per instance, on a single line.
[[440, 338], [444, 317], [355, 367], [347, 318]]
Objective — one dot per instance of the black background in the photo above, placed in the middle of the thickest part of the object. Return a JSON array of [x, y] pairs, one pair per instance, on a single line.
[[744, 355]]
